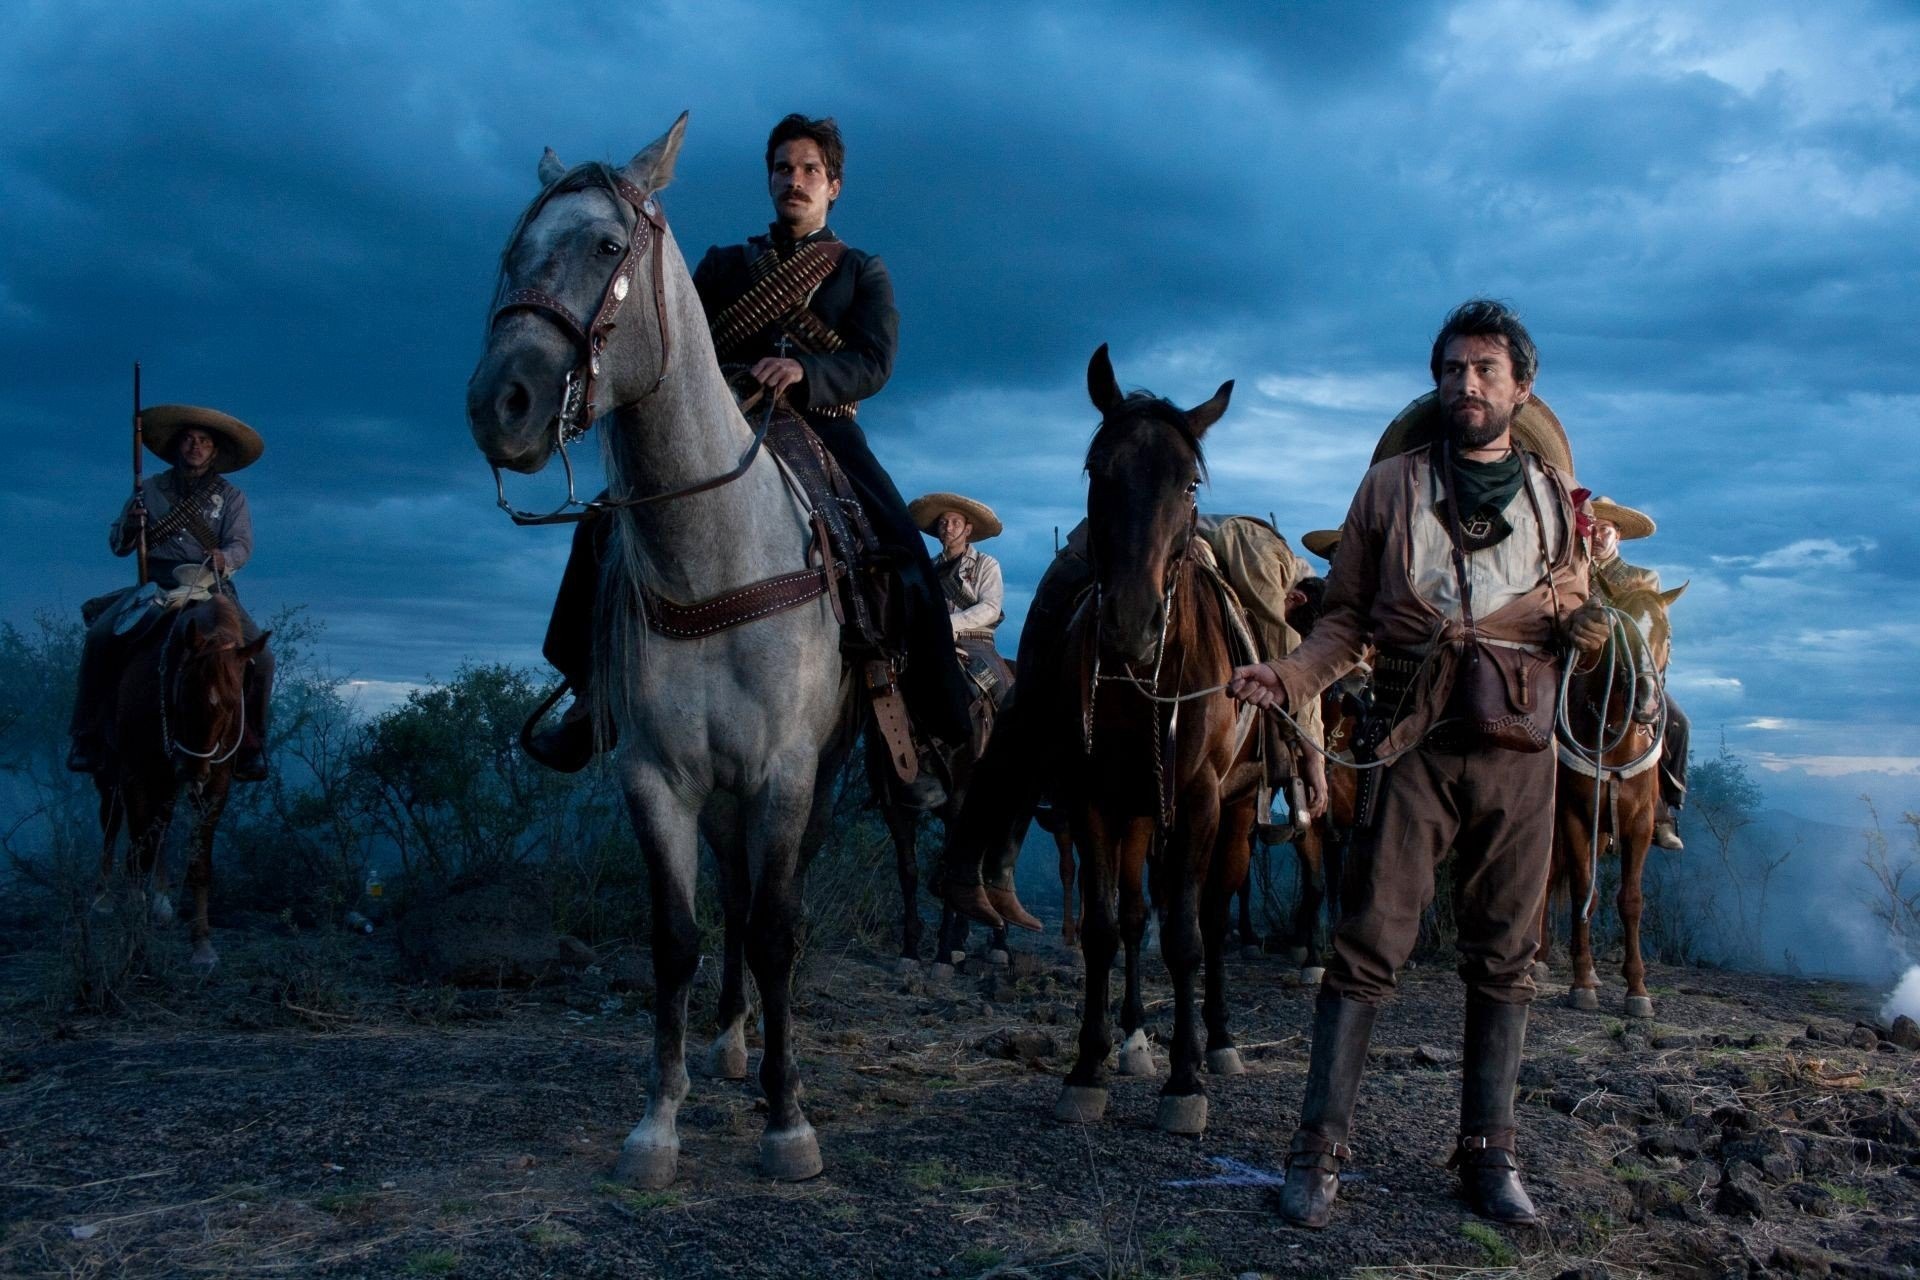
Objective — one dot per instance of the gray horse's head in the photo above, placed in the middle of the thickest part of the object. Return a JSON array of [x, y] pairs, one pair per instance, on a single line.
[[1143, 470], [567, 246]]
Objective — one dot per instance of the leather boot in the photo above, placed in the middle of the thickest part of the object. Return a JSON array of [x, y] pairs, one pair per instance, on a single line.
[[1486, 1158], [568, 745], [1341, 1029]]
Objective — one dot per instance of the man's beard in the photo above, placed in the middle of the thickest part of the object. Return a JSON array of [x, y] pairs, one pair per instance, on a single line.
[[1477, 435]]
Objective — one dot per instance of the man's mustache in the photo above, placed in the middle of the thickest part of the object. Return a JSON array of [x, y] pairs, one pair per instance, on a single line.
[[795, 193]]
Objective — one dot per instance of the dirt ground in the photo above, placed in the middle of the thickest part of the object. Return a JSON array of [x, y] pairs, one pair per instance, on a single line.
[[303, 1112]]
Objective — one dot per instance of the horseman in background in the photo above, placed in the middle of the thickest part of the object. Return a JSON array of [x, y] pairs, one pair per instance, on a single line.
[[975, 592], [199, 533], [1614, 524], [796, 313]]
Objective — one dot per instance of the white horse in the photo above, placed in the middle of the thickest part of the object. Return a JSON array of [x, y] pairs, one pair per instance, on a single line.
[[735, 736]]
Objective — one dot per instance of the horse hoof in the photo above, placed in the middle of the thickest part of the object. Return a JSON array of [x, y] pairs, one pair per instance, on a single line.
[[204, 956], [956, 958], [1080, 1104], [1584, 998], [160, 911], [1136, 1059], [727, 1059], [999, 959], [1539, 973], [793, 1156], [1314, 975], [1251, 951], [646, 1164], [1184, 1115], [1639, 1006], [941, 971], [1225, 1062]]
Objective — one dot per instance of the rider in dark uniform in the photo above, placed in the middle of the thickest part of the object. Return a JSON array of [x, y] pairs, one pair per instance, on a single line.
[[822, 330]]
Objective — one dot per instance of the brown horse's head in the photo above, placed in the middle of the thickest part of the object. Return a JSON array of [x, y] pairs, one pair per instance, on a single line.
[[204, 684], [1143, 469], [1647, 609]]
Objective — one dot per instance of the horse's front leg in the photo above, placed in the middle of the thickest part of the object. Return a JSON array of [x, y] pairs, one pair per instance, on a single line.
[[774, 826], [1069, 914], [1136, 1057], [1083, 1099], [209, 802], [112, 813], [727, 1055], [149, 815], [1229, 868], [1633, 864], [1576, 840], [1183, 1099], [665, 825], [1311, 851]]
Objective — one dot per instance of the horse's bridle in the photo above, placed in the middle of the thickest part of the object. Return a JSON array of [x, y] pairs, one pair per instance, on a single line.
[[579, 405]]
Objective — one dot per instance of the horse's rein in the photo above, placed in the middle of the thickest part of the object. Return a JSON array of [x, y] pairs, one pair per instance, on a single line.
[[168, 681]]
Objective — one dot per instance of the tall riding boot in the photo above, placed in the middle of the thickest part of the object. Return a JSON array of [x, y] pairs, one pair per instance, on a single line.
[[569, 745], [92, 701], [1002, 791], [251, 766], [1486, 1158], [1341, 1029]]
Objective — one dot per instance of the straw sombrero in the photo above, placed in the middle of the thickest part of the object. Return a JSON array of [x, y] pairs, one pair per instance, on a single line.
[[1631, 524], [924, 510], [1322, 542], [1534, 427], [235, 444]]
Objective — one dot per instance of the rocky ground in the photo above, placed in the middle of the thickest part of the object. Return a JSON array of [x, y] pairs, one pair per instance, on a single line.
[[305, 1111]]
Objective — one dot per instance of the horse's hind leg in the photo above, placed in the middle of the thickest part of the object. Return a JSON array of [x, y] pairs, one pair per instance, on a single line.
[[902, 825], [1183, 1099], [113, 813], [727, 1055], [1223, 1059], [1583, 990], [1313, 896], [650, 1156], [1136, 1059], [1069, 915], [1633, 862], [1083, 1099]]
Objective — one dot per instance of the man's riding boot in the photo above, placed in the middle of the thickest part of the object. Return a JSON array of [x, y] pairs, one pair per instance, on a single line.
[[1489, 1168], [88, 726], [251, 766], [567, 745], [1341, 1029], [1666, 833]]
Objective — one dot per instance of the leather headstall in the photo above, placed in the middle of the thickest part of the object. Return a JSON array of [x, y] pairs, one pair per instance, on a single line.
[[579, 403]]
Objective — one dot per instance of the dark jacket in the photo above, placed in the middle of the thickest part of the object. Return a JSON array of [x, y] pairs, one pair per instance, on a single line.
[[856, 302]]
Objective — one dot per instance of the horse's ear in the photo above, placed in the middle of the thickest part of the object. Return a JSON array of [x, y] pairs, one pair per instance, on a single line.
[[1101, 384], [1668, 597], [652, 169], [1200, 417], [250, 651], [551, 168]]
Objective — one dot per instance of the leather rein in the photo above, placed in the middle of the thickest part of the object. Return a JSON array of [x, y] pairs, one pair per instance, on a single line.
[[579, 406]]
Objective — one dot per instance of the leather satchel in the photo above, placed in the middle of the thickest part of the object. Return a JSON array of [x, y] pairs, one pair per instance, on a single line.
[[1502, 696]]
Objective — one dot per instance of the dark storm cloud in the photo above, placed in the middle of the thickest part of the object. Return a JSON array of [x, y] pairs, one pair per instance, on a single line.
[[1707, 214]]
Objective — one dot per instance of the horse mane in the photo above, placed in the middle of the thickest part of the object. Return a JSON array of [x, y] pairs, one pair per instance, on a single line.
[[1144, 404], [219, 620]]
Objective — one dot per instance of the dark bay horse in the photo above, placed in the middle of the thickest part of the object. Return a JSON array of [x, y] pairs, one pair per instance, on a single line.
[[737, 737], [180, 713], [1158, 787], [1608, 788], [903, 826]]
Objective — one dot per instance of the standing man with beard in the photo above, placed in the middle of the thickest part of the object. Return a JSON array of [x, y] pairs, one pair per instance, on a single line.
[[798, 313], [1459, 554]]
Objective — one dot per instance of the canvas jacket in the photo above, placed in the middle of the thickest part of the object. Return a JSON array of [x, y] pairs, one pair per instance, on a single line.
[[1372, 593], [979, 574], [229, 519]]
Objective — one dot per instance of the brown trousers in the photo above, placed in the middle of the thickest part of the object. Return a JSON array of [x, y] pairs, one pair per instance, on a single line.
[[1494, 810]]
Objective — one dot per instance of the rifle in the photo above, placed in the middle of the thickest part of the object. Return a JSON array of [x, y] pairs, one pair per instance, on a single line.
[[139, 502]]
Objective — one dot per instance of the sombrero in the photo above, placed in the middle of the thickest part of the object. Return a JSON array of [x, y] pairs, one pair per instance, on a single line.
[[1322, 542], [924, 510], [1534, 428], [1631, 524], [235, 444]]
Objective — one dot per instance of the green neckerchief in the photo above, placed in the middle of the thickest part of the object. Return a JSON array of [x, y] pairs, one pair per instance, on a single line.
[[1483, 490]]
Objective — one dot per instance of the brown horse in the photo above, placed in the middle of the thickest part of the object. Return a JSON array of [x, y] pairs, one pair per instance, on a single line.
[[180, 714], [1157, 778], [1322, 847], [1608, 788]]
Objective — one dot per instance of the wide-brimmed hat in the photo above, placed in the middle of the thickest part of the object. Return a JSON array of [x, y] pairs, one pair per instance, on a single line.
[[1322, 542], [1631, 524], [235, 444], [924, 510], [1534, 428]]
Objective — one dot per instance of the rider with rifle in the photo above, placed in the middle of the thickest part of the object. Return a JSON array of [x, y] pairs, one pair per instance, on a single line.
[[192, 518]]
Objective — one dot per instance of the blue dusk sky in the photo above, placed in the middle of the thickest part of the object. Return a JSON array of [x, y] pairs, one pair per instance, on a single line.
[[1709, 214]]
